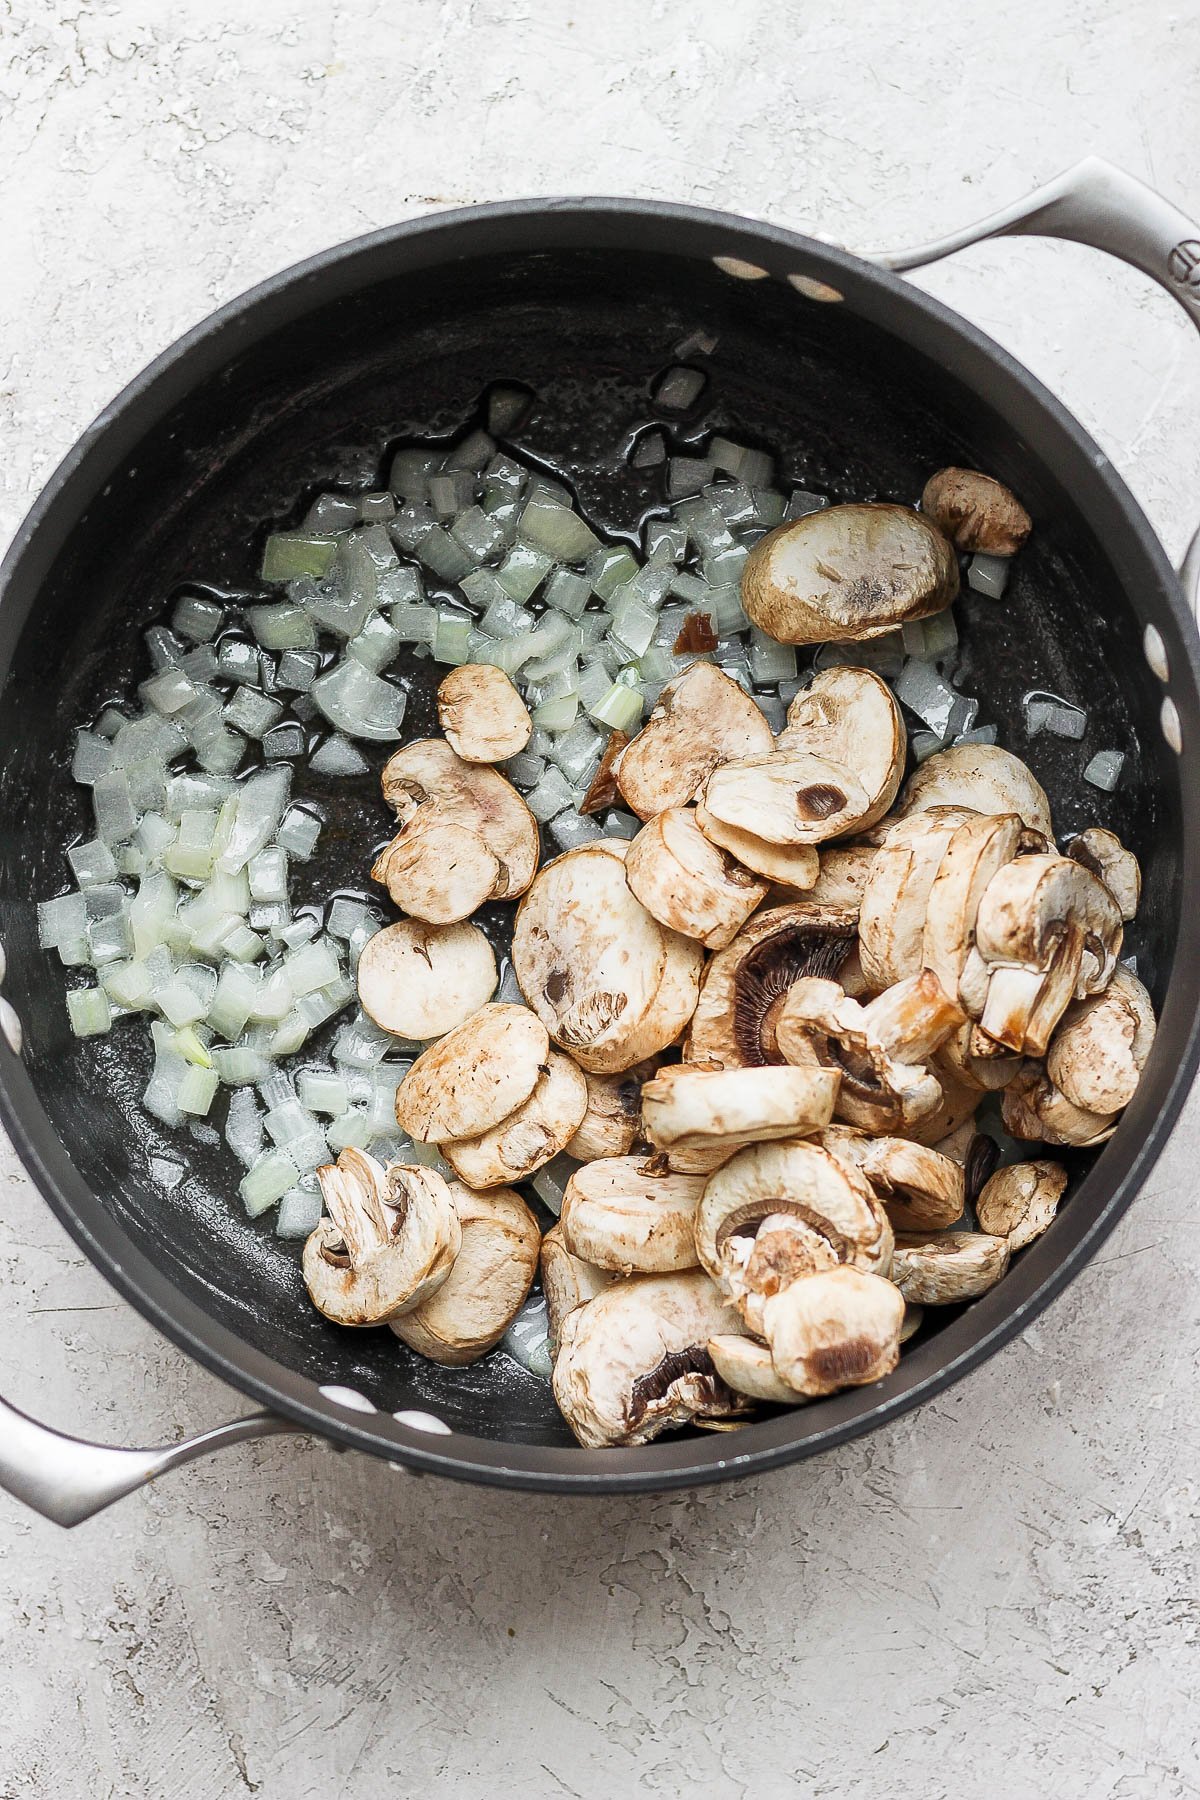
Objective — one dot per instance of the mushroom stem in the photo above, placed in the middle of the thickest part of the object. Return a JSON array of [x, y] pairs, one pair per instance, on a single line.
[[912, 1018]]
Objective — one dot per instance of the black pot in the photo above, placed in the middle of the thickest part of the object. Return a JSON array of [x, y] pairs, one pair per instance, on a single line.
[[864, 385]]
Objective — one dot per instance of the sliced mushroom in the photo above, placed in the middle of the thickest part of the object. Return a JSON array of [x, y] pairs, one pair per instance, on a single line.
[[483, 716], [914, 1318], [1020, 1201], [891, 920], [427, 782], [848, 572], [1106, 856], [793, 798], [975, 512], [486, 1287], [913, 1018], [921, 1189], [537, 1131], [438, 871], [687, 883], [957, 1143], [388, 1244], [980, 778], [746, 1366], [613, 1117], [838, 1329], [621, 1214], [1034, 1109], [475, 1076], [567, 1282], [1097, 1055], [849, 717], [743, 988], [943, 1267], [844, 875], [603, 791], [700, 719], [634, 1361], [668, 1017], [957, 1108], [789, 865], [422, 980], [689, 1107], [818, 1023]]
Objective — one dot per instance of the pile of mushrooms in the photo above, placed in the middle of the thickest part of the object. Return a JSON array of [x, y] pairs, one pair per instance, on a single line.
[[759, 1032]]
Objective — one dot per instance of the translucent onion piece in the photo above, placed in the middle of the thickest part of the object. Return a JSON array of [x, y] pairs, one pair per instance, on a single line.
[[360, 703]]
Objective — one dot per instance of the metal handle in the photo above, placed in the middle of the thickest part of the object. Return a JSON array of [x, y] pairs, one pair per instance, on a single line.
[[68, 1480], [1098, 204]]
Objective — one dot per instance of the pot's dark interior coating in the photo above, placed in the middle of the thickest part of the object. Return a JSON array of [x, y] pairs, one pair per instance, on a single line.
[[847, 413]]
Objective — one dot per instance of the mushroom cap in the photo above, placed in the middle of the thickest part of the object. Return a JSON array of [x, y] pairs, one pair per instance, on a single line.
[[437, 870], [700, 719], [422, 980], [634, 1361], [1106, 856], [687, 883], [567, 1282], [838, 1329], [1027, 903], [487, 1285], [427, 777], [844, 874], [1097, 1055], [689, 1107], [848, 572], [975, 512], [1034, 1109], [921, 1189], [789, 865], [483, 716], [537, 1131], [1020, 1201], [850, 717], [746, 1366], [941, 1268], [891, 920], [388, 1244], [979, 778], [744, 985], [819, 1023], [793, 797], [475, 1076], [612, 1121], [620, 1213]]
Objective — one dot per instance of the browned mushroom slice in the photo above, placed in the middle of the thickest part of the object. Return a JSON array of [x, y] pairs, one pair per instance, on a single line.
[[849, 717], [483, 716], [388, 1244], [921, 1189], [979, 778], [427, 781], [957, 1108], [664, 1023], [422, 980], [1106, 856], [487, 1285], [567, 1282], [891, 920], [1034, 1109], [437, 870], [941, 1268], [1097, 1055], [744, 984], [1020, 1201], [838, 1329], [611, 1123], [789, 865], [701, 719], [687, 883], [621, 1214], [792, 797], [689, 1107], [745, 1365], [634, 1361], [848, 572], [537, 1131], [844, 874], [818, 1023], [475, 1076], [975, 512]]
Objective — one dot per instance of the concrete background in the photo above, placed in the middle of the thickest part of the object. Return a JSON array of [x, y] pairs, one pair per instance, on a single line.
[[998, 1595]]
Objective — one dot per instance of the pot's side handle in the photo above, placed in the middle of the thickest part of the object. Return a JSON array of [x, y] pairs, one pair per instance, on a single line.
[[1098, 204], [67, 1479]]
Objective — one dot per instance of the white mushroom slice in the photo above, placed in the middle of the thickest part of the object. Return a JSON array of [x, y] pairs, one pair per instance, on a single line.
[[976, 852], [921, 1189], [848, 572], [792, 797], [486, 1287], [437, 871], [1106, 856], [957, 1107], [699, 720], [537, 1131], [621, 1214], [613, 1117], [849, 717], [745, 1366], [834, 1330], [388, 1244], [668, 1017], [957, 1143], [1034, 1109], [913, 1017], [844, 875], [426, 781], [422, 980], [914, 1318], [818, 1023], [475, 1076], [634, 1361], [744, 985], [483, 716], [975, 512], [696, 1159], [980, 778], [789, 865], [943, 1267], [891, 920], [567, 1282], [1020, 1201], [687, 883], [686, 1107], [428, 773], [1097, 1055]]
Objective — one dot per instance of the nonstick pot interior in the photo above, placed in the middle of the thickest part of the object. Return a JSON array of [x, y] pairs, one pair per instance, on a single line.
[[307, 388]]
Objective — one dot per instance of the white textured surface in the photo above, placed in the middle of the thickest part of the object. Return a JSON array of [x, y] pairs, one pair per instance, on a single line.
[[997, 1596]]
